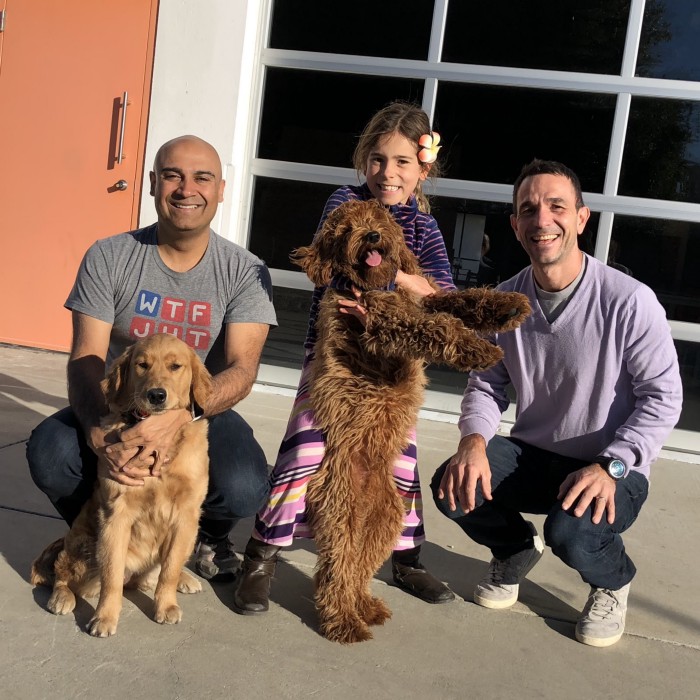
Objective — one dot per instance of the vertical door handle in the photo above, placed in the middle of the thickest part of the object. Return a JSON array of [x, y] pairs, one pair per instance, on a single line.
[[122, 127]]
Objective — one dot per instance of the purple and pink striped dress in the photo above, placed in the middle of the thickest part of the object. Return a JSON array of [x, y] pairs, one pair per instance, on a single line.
[[283, 517]]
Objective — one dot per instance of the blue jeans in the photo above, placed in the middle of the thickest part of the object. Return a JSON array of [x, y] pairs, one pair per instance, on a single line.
[[64, 468], [527, 479]]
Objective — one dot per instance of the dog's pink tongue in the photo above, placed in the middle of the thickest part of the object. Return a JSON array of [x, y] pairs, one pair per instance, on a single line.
[[373, 258]]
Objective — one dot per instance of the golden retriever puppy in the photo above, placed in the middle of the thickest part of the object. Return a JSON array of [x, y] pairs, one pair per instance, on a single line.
[[124, 533]]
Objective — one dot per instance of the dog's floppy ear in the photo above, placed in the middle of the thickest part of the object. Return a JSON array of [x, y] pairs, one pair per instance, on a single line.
[[317, 259], [201, 388], [408, 262], [307, 257], [115, 384]]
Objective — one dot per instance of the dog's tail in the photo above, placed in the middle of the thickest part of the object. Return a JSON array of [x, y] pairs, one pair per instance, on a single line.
[[43, 566]]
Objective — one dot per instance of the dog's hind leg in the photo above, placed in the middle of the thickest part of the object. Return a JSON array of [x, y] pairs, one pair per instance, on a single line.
[[336, 528], [73, 570], [43, 572], [386, 508], [187, 583], [62, 600], [336, 601]]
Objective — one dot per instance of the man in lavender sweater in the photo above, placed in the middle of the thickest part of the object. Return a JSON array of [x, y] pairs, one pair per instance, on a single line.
[[598, 391]]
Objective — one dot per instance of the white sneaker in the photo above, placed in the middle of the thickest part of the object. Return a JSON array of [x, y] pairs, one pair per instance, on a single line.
[[603, 619], [500, 587]]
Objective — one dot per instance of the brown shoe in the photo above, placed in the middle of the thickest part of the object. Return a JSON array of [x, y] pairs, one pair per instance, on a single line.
[[413, 577], [252, 596]]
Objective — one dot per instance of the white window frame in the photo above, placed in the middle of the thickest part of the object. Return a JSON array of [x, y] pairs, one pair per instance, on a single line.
[[432, 71]]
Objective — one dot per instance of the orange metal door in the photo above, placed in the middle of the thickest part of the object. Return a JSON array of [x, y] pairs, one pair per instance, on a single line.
[[64, 70]]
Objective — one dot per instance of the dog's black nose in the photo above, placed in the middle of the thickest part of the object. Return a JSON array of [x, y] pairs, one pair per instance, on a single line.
[[156, 396], [372, 237]]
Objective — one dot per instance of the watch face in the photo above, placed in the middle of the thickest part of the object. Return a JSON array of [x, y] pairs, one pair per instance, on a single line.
[[616, 469]]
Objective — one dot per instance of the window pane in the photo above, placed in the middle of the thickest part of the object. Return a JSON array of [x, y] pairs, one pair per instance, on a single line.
[[285, 344], [315, 117], [664, 255], [662, 150], [285, 216], [668, 47], [491, 132], [689, 361], [362, 28], [565, 35]]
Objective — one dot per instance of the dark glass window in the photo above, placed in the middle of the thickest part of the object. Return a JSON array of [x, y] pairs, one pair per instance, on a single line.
[[668, 47], [316, 117], [662, 150], [285, 216], [479, 240], [689, 361], [285, 343], [565, 35], [491, 132], [360, 28], [665, 255]]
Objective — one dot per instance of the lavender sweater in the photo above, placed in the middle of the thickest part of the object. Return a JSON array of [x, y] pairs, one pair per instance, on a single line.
[[602, 379]]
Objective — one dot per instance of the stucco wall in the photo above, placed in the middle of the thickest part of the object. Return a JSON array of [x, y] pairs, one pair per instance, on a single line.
[[204, 61]]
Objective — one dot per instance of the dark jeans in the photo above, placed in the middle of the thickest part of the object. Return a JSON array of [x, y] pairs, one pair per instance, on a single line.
[[527, 479], [64, 468]]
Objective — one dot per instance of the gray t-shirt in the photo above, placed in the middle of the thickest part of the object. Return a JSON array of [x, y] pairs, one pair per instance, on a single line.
[[123, 281]]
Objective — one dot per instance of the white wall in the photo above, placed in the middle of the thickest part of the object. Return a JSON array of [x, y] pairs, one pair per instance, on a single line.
[[205, 55]]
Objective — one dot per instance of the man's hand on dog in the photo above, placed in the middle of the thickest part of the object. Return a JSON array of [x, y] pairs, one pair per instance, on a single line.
[[464, 472], [142, 450], [99, 441]]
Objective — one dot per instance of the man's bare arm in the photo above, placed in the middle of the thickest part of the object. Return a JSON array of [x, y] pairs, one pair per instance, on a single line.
[[243, 348], [85, 370]]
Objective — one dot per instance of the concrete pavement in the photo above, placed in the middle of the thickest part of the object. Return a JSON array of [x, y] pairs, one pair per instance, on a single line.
[[458, 650]]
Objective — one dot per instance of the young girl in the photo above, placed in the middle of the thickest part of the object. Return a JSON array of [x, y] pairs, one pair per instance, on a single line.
[[395, 153]]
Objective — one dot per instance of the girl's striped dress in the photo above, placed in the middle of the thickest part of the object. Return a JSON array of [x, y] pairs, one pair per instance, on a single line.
[[283, 517]]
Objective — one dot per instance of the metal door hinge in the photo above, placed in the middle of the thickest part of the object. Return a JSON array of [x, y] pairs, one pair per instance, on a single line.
[[2, 20]]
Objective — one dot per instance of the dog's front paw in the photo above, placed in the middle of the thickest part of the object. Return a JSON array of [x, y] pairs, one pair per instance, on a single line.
[[187, 583], [103, 625], [168, 615], [61, 602]]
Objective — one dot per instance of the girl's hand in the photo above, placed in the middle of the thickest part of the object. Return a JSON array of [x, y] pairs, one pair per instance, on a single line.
[[415, 284], [354, 307]]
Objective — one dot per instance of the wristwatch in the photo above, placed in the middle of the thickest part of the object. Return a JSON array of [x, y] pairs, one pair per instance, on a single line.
[[616, 468]]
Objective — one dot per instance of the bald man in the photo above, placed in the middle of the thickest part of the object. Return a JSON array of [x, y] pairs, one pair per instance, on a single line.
[[176, 276]]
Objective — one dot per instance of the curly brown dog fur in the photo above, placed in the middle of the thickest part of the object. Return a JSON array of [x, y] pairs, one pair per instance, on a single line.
[[123, 533], [366, 388]]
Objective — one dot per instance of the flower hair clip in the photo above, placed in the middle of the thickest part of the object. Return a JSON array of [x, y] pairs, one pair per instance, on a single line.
[[429, 147]]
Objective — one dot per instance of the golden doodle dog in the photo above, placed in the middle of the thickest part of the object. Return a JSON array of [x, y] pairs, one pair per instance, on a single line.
[[124, 533], [366, 387]]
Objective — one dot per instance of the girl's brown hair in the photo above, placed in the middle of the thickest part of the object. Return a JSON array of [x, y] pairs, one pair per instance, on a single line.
[[404, 118]]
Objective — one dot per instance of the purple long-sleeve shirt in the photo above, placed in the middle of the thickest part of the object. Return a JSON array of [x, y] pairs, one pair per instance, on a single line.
[[602, 379]]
